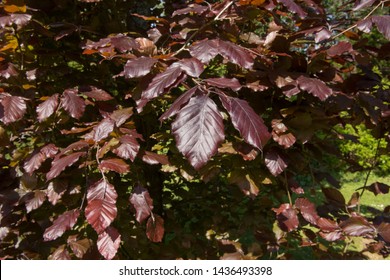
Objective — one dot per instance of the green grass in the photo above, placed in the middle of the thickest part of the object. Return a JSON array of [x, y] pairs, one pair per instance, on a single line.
[[350, 182]]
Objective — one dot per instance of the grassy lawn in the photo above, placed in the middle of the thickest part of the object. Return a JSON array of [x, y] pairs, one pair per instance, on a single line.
[[350, 182]]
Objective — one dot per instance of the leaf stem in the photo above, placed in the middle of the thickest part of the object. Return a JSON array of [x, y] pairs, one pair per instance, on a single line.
[[287, 190]]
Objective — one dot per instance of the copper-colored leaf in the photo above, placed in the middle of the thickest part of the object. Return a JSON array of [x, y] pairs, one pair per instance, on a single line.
[[327, 225], [205, 50], [246, 121], [384, 231], [60, 163], [142, 203], [191, 66], [138, 67], [357, 226], [114, 164], [191, 9], [340, 48], [155, 228], [63, 223], [233, 84], [96, 93], [287, 217], [315, 87], [198, 130], [235, 54], [307, 209], [275, 162], [153, 158], [108, 243], [245, 182], [129, 147], [56, 190], [72, 103], [61, 253], [120, 116], [79, 247], [332, 236], [47, 108], [12, 108], [35, 200]]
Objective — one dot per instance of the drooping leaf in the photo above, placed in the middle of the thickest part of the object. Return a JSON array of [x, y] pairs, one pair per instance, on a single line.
[[360, 4], [315, 87], [101, 209], [153, 158], [61, 253], [293, 7], [72, 103], [275, 162], [205, 50], [114, 164], [103, 129], [120, 116], [138, 67], [246, 121], [96, 93], [178, 104], [233, 84], [354, 200], [159, 83], [198, 130], [129, 147], [384, 231], [108, 243], [63, 223], [60, 163], [287, 217], [79, 247], [155, 228], [307, 209], [235, 54], [142, 203], [357, 226], [378, 188], [48, 107], [13, 108], [35, 200], [191, 66]]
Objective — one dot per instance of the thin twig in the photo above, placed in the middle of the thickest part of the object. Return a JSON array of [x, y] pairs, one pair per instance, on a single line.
[[287, 190]]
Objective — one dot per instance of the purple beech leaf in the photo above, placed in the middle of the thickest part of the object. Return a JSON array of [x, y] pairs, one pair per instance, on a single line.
[[155, 228], [246, 121], [103, 129], [63, 223], [315, 87], [357, 226], [5, 20], [114, 164], [331, 236], [36, 160], [79, 247], [153, 158], [378, 188], [360, 4], [121, 116], [13, 108], [322, 35], [384, 231], [334, 196], [7, 70], [142, 203], [48, 107], [96, 93], [275, 162], [287, 217], [340, 48], [101, 209], [178, 104], [307, 209], [159, 84], [327, 225], [244, 181], [76, 146], [36, 200], [60, 163], [205, 50], [198, 130], [123, 43], [235, 54], [383, 25], [55, 191], [138, 67], [129, 147], [233, 84], [20, 19], [191, 9], [191, 66], [293, 7], [61, 253], [108, 243], [72, 103]]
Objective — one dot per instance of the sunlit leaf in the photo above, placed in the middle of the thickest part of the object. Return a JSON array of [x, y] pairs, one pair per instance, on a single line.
[[61, 253], [287, 217], [129, 147], [357, 226], [60, 163], [360, 4], [72, 103], [35, 200], [121, 116], [384, 231], [142, 203], [79, 247], [138, 67], [315, 86], [153, 158], [198, 130], [48, 107], [235, 54], [103, 129], [307, 209], [191, 9], [13, 108], [205, 50], [63, 223], [108, 243], [233, 84], [275, 162], [191, 66], [96, 93], [114, 164]]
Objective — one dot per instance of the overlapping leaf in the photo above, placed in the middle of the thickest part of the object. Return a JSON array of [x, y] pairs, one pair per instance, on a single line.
[[315, 87], [120, 116], [101, 209], [357, 226], [114, 164], [72, 103], [233, 83], [360, 4], [275, 162], [381, 22], [63, 223], [235, 54], [103, 129], [307, 209], [61, 253], [48, 107], [142, 203], [384, 231], [108, 243], [96, 93], [191, 66], [246, 121], [287, 217], [378, 188], [35, 200], [198, 130], [79, 247], [293, 7], [205, 50], [129, 147], [12, 108], [153, 158], [138, 67], [60, 163], [155, 228]]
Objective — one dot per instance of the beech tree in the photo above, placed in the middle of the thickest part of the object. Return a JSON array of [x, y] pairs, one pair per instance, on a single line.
[[183, 129]]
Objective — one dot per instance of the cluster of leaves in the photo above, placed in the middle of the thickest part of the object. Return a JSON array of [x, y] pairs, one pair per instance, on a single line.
[[110, 142]]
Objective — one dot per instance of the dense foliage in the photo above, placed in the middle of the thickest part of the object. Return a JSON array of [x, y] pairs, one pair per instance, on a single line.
[[183, 129]]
